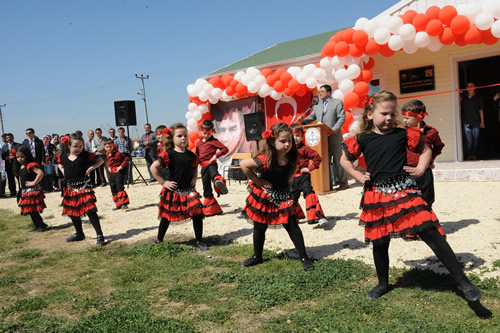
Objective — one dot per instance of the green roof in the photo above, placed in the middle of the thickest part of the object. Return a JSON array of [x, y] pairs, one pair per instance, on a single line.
[[281, 52]]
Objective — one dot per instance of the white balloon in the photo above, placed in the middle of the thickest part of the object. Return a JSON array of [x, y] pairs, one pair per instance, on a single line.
[[216, 93], [195, 90], [239, 75], [252, 87], [434, 44], [213, 100], [421, 39], [265, 90], [341, 74], [394, 23], [245, 79], [495, 29], [190, 90], [354, 127], [470, 10], [492, 7], [192, 106], [203, 108], [395, 43], [319, 73], [191, 123], [203, 96], [410, 47], [337, 62], [225, 97], [200, 82], [275, 95], [325, 63], [196, 115], [294, 70], [371, 27], [382, 36], [337, 94], [356, 112], [308, 69], [484, 21], [348, 60], [407, 32], [189, 115], [311, 82], [208, 88], [360, 23], [252, 72], [302, 77], [346, 86], [353, 71], [260, 80]]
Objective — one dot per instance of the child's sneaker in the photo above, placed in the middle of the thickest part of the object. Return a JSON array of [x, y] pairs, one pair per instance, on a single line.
[[221, 186], [322, 222]]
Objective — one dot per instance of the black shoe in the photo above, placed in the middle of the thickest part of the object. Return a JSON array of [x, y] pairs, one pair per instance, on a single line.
[[75, 238], [221, 186], [42, 229], [33, 230], [378, 291], [307, 264], [116, 208], [100, 240], [158, 241], [252, 261], [312, 221], [202, 245], [104, 184], [471, 292]]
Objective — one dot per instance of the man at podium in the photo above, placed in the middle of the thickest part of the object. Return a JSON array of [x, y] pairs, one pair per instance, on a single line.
[[330, 112]]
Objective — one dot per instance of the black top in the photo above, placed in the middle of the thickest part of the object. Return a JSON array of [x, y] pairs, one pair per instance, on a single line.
[[278, 178], [27, 175], [470, 110], [78, 167], [181, 166]]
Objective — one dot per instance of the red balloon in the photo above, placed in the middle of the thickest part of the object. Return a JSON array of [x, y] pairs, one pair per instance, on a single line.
[[473, 35], [460, 24], [348, 121], [234, 83], [215, 81], [356, 51], [366, 76], [386, 51], [447, 37], [339, 36], [288, 92], [488, 38], [230, 91], [329, 49], [348, 33], [360, 38], [279, 86], [240, 95], [372, 47], [433, 12], [447, 13], [408, 16], [351, 100], [460, 40], [271, 79], [279, 71], [302, 91], [294, 85], [342, 49], [266, 72], [226, 79], [434, 28], [361, 88], [240, 88], [369, 64], [285, 77], [206, 116], [420, 21], [193, 136]]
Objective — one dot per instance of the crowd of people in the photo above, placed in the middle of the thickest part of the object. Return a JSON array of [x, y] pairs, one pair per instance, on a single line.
[[397, 186]]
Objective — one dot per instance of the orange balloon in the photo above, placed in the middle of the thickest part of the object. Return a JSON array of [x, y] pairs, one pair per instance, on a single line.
[[288, 92], [420, 21], [366, 76], [266, 72], [434, 28], [356, 51], [342, 49], [193, 136], [348, 33], [488, 38], [372, 47], [230, 91], [329, 49], [234, 83], [279, 86], [239, 95], [348, 121], [215, 81], [369, 64], [302, 91], [433, 12], [226, 79], [271, 79], [360, 38], [460, 24], [285, 77], [386, 51], [339, 36], [351, 100], [408, 16], [294, 85], [240, 88], [361, 88], [447, 37], [447, 13], [473, 35], [460, 40], [279, 71]]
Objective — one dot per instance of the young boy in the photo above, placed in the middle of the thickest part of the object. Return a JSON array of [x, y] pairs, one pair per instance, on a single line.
[[116, 163], [413, 114], [302, 180], [208, 149]]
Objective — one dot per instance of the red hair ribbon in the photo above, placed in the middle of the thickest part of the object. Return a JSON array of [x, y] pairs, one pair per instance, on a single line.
[[167, 131], [12, 152], [267, 134], [65, 140], [207, 130], [420, 116], [367, 100], [296, 131]]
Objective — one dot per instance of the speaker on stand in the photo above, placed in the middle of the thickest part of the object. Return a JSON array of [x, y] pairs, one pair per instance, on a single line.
[[125, 116], [254, 125]]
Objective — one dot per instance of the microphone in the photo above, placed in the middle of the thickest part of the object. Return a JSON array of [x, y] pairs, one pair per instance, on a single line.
[[313, 104]]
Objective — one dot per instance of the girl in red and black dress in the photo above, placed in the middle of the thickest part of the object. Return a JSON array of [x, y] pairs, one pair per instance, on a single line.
[[270, 201], [78, 196], [30, 175], [178, 198], [116, 163], [392, 203]]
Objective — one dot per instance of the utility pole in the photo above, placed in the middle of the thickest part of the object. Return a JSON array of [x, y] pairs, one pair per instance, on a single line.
[[1, 116], [143, 94]]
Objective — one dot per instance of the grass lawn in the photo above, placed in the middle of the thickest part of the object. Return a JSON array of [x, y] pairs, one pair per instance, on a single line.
[[173, 287]]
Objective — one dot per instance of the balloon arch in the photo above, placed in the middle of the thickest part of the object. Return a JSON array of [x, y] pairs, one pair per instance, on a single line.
[[345, 59]]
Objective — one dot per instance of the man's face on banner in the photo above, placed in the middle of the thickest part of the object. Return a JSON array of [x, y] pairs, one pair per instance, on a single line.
[[229, 130]]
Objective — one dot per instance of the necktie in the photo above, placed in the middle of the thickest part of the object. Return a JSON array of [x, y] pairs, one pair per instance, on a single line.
[[32, 147], [147, 137], [325, 104]]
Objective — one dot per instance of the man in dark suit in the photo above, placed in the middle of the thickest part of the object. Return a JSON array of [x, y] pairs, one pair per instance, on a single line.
[[149, 142], [331, 112], [9, 163], [35, 145]]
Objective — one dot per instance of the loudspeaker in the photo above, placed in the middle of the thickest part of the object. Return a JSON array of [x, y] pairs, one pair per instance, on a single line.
[[125, 113], [254, 123]]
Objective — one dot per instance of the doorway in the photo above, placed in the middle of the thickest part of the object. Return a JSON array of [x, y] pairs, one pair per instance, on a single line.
[[484, 72]]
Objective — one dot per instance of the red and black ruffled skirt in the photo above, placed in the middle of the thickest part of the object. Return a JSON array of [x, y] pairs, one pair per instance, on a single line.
[[395, 209], [271, 207], [32, 200], [78, 201], [179, 205]]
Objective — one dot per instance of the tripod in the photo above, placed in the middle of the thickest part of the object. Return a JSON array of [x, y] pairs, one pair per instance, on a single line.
[[130, 164]]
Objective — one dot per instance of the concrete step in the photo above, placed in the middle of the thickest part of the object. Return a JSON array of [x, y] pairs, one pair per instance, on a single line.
[[481, 171]]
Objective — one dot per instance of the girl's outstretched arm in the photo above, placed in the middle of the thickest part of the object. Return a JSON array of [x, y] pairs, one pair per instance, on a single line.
[[97, 163], [249, 167], [349, 167]]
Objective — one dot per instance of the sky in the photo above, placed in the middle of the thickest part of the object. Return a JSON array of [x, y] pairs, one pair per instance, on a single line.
[[64, 62]]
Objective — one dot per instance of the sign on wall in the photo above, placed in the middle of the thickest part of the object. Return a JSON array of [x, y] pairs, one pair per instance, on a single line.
[[416, 79]]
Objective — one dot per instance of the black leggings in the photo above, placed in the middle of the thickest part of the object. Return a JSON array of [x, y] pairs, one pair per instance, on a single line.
[[197, 226], [293, 229], [94, 220], [37, 220], [438, 245]]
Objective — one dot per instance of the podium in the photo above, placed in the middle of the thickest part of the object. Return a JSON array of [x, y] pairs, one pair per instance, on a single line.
[[316, 137]]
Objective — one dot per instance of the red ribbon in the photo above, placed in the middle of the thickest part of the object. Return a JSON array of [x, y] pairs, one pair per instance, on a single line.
[[449, 91], [267, 134]]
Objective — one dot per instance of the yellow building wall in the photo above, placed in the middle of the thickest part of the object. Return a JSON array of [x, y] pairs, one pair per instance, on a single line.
[[443, 109]]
